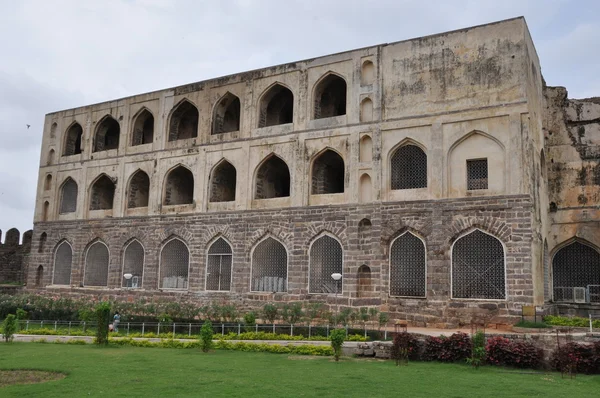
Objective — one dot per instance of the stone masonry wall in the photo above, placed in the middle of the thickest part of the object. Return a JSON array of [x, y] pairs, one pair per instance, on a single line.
[[13, 256]]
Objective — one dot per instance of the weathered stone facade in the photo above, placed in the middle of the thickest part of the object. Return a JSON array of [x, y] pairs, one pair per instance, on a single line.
[[14, 256]]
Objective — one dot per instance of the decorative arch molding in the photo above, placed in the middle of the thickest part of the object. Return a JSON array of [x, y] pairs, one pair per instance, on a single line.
[[184, 189], [391, 229], [215, 238], [471, 133], [211, 233], [337, 231], [489, 225], [171, 232], [286, 237], [574, 239]]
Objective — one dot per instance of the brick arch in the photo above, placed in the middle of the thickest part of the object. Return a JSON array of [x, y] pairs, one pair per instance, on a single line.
[[213, 232], [315, 230], [285, 237], [169, 232], [490, 225], [394, 228]]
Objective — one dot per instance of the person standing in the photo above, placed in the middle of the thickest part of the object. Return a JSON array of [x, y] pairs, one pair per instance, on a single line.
[[116, 321]]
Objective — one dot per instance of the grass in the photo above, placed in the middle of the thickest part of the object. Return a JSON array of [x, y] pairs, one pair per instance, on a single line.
[[132, 371]]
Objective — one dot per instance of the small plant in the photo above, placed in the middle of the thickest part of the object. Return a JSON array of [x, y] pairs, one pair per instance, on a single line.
[[270, 312], [9, 327], [206, 336], [337, 337], [384, 318], [165, 318], [292, 313], [103, 319], [86, 316], [405, 346], [249, 321], [478, 351], [229, 312]]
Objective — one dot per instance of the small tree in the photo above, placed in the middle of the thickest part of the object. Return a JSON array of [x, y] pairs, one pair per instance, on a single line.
[[86, 316], [292, 313], [206, 336], [337, 337], [478, 351], [9, 327], [384, 318], [249, 321], [103, 319], [270, 312]]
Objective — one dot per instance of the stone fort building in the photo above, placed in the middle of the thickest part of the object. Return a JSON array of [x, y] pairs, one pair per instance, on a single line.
[[438, 175]]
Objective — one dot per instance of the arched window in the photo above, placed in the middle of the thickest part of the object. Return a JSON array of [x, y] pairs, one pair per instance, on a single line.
[[50, 159], [43, 238], [272, 179], [68, 196], [222, 182], [366, 149], [174, 265], [63, 258], [407, 266], [133, 263], [107, 135], [276, 106], [330, 97], [478, 270], [138, 191], [574, 268], [179, 187], [45, 211], [326, 258], [226, 116], [143, 128], [366, 189], [269, 266], [73, 140], [96, 265], [39, 276], [53, 130], [409, 168], [218, 266], [328, 173], [183, 123], [102, 193], [366, 110], [48, 182], [367, 75], [363, 288]]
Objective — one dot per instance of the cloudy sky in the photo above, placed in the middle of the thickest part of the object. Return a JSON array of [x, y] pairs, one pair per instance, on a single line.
[[57, 54]]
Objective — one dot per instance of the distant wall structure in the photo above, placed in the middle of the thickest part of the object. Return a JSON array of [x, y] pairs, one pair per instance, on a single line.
[[14, 257]]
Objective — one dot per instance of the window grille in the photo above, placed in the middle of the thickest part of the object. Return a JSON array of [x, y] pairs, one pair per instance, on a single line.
[[96, 265], [409, 168], [326, 258], [575, 265], [269, 267], [478, 267], [174, 265], [63, 258], [133, 263], [218, 266], [477, 174], [68, 197], [328, 173], [407, 267]]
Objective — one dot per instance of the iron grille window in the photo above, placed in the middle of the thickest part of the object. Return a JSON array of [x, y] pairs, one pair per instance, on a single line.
[[409, 168], [477, 174], [269, 267], [96, 265], [546, 260], [478, 267], [407, 267], [218, 266], [63, 258], [133, 263], [575, 265], [325, 259], [68, 197], [174, 265]]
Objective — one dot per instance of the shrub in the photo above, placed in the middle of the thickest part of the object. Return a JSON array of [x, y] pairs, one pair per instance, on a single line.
[[270, 312], [405, 346], [165, 318], [573, 322], [9, 327], [103, 319], [532, 324], [579, 358], [384, 318], [519, 354], [206, 336], [292, 313], [447, 349], [478, 353], [86, 316], [337, 337], [249, 321]]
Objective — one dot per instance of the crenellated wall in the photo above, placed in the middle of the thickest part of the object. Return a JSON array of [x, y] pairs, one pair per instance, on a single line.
[[14, 256]]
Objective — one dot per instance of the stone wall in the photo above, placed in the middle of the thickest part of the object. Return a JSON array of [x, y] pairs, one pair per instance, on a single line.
[[14, 256]]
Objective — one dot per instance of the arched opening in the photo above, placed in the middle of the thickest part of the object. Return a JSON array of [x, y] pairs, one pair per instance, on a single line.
[[407, 266], [543, 164], [179, 187], [367, 75], [328, 173], [102, 193], [269, 266], [326, 258], [330, 97], [408, 168], [183, 123], [68, 196], [73, 140], [53, 130], [96, 265], [107, 135], [366, 149], [223, 182], [39, 276], [50, 159], [63, 258], [226, 116], [133, 263], [363, 277], [143, 128], [174, 265], [45, 211], [547, 274], [276, 106], [218, 266], [272, 179], [366, 189], [48, 182], [42, 244], [576, 273], [366, 110], [138, 191], [364, 226], [478, 270]]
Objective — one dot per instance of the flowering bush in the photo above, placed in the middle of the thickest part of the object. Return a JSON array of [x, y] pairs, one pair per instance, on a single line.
[[447, 349], [520, 354], [406, 346], [580, 358]]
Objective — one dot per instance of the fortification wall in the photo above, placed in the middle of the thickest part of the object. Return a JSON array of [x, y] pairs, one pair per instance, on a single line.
[[14, 257]]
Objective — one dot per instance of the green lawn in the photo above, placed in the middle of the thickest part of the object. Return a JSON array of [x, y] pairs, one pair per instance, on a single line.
[[152, 372]]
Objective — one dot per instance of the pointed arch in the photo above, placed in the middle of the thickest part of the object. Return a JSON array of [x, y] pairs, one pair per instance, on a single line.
[[366, 189], [543, 164], [367, 73], [408, 166], [68, 196], [97, 259], [63, 260], [218, 265], [363, 277], [326, 257], [183, 122], [478, 266], [366, 110], [226, 114], [408, 266], [223, 180], [73, 135], [366, 149], [174, 264], [45, 210], [39, 276], [133, 263], [138, 190], [48, 182], [42, 244], [269, 269], [107, 134], [272, 178], [50, 159], [143, 127], [329, 96], [102, 193], [276, 106], [53, 128], [328, 173], [179, 186], [576, 266]]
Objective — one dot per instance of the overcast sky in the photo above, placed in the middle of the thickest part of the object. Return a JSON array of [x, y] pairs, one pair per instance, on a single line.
[[58, 54]]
